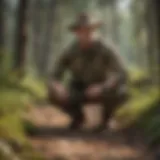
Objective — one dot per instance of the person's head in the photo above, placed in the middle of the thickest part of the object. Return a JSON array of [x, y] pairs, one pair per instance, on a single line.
[[83, 34], [83, 29]]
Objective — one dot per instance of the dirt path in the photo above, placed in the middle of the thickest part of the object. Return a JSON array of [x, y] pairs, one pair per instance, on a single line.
[[78, 146]]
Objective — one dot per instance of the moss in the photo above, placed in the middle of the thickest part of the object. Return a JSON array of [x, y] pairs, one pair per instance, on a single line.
[[137, 106], [149, 122], [137, 74], [28, 85], [11, 128], [36, 86], [16, 95]]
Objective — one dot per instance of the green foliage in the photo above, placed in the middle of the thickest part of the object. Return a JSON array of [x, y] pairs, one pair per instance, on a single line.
[[29, 85], [139, 103], [17, 93], [141, 108], [35, 86], [150, 123], [11, 128], [136, 74], [15, 96]]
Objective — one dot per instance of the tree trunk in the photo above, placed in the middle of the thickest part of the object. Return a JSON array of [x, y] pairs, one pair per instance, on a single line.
[[157, 14], [115, 22], [150, 40], [1, 31], [46, 48], [37, 23], [153, 36], [20, 53]]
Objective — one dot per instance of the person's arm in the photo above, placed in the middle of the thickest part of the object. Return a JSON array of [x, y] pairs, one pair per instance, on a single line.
[[117, 71], [55, 81], [60, 67]]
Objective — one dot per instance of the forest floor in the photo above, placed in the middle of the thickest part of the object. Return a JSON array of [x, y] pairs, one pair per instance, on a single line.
[[77, 145]]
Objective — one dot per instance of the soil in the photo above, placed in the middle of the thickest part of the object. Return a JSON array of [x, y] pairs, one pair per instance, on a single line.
[[62, 144]]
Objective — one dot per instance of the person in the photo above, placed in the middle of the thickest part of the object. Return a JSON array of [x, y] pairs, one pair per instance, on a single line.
[[97, 75]]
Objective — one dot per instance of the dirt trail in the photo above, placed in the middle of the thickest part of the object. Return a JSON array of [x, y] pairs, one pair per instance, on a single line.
[[74, 146]]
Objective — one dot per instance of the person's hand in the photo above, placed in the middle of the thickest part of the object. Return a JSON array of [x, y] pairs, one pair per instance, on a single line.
[[60, 90], [111, 83], [94, 91]]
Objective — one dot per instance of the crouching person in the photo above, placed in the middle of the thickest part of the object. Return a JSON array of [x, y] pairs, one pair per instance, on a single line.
[[97, 72]]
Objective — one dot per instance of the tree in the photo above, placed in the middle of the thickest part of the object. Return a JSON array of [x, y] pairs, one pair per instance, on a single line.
[[1, 30], [47, 39], [153, 37], [144, 15], [157, 16], [20, 53]]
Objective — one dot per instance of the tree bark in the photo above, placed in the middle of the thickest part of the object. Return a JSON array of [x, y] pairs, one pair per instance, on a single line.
[[20, 53], [157, 16], [115, 20], [1, 30], [46, 47], [153, 38], [38, 29]]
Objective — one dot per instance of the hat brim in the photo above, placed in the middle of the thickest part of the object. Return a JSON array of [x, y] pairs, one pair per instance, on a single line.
[[92, 27]]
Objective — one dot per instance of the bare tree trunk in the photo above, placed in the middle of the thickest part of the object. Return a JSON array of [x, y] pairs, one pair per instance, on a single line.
[[157, 16], [20, 53], [153, 45], [1, 22], [1, 30], [115, 20], [150, 41], [38, 23], [46, 48]]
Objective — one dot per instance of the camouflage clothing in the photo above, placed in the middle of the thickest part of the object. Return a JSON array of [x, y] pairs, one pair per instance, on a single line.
[[91, 65]]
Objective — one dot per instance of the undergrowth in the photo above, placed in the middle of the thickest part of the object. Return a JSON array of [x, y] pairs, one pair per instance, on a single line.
[[17, 94], [15, 97]]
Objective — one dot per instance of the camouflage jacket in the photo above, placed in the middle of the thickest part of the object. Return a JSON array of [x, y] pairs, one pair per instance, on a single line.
[[91, 65]]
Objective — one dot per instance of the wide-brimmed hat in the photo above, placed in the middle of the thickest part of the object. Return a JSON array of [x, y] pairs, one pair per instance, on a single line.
[[84, 21]]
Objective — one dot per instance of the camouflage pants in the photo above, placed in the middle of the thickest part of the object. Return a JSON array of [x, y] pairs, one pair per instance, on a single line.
[[109, 100]]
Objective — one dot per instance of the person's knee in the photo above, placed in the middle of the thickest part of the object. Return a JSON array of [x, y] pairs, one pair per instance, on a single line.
[[53, 98], [124, 98], [51, 94]]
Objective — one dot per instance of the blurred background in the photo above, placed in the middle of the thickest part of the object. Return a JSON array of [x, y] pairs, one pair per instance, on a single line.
[[33, 33]]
